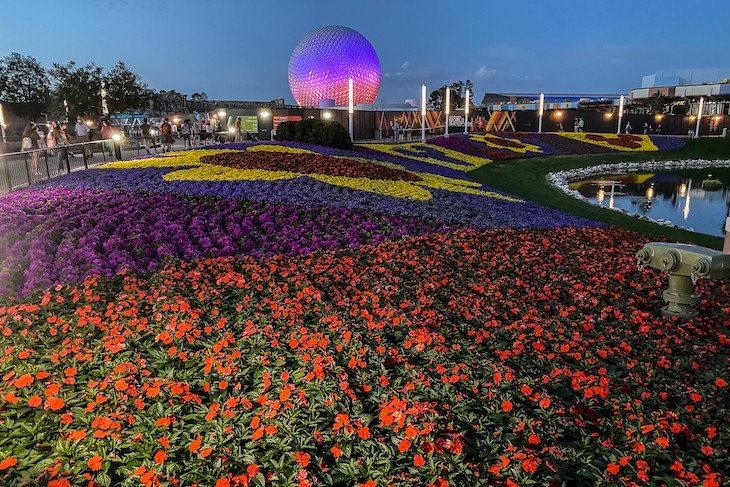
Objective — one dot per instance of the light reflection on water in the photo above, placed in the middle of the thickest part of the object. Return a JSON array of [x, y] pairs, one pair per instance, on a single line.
[[695, 204]]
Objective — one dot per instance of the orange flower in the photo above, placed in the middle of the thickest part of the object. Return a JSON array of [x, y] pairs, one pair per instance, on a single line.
[[8, 462], [195, 445], [160, 457], [720, 382], [164, 422], [95, 462], [152, 391], [507, 406], [258, 433], [533, 439], [77, 435], [54, 403], [336, 451], [302, 458], [70, 372], [529, 465], [223, 482], [613, 468], [35, 401], [662, 442], [545, 402], [404, 445], [252, 470], [418, 461], [363, 432]]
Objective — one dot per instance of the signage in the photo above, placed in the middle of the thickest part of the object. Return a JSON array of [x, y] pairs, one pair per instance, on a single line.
[[249, 123], [285, 118]]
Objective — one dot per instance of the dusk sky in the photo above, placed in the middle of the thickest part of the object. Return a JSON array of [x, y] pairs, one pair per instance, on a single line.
[[239, 50]]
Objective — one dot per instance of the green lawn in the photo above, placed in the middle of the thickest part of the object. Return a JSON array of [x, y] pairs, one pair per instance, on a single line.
[[527, 178]]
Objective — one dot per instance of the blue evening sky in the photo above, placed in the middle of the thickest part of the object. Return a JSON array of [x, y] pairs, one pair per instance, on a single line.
[[238, 49]]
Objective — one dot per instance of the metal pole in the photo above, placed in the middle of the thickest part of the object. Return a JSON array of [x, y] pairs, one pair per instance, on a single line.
[[699, 117], [726, 247], [423, 113], [351, 107], [620, 114], [542, 108], [2, 126], [448, 106], [466, 113]]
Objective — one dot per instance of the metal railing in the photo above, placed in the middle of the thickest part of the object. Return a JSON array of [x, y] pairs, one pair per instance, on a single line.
[[22, 169]]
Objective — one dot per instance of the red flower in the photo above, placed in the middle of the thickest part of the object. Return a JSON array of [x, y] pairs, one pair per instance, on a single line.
[[8, 462], [95, 463], [404, 445], [303, 459], [160, 457], [419, 461], [507, 406], [613, 468]]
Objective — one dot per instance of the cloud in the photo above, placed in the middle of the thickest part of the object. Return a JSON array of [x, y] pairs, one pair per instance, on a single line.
[[484, 72], [404, 65]]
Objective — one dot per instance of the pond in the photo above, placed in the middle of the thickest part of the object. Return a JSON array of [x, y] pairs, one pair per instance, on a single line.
[[697, 200]]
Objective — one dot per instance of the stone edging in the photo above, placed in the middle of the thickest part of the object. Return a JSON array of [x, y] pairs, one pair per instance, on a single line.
[[561, 179]]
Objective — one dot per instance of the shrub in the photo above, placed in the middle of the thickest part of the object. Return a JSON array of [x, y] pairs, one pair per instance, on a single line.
[[330, 134]]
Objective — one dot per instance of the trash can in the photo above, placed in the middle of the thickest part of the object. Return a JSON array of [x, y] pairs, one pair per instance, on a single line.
[[378, 134], [724, 132]]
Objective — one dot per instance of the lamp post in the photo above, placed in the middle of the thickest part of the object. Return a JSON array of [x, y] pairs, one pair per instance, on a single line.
[[2, 125], [423, 113], [448, 107], [540, 113], [699, 117], [350, 106], [466, 113], [620, 114], [221, 115]]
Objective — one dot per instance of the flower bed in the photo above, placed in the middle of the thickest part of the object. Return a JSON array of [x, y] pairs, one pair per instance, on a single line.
[[55, 236], [473, 358], [618, 142]]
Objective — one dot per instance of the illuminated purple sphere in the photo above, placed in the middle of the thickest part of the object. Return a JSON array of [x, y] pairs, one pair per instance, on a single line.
[[323, 62]]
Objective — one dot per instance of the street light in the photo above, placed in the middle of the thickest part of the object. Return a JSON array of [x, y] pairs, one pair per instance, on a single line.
[[466, 114], [326, 115], [2, 124], [540, 113], [423, 113], [351, 106], [448, 106], [620, 113], [699, 117]]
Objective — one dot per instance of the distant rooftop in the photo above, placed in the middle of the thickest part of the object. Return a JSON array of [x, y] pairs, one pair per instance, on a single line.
[[685, 77]]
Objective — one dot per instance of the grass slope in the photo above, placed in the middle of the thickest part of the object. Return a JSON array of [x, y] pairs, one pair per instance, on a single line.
[[527, 178]]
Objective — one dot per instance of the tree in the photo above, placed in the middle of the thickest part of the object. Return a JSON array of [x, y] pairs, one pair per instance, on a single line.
[[202, 96], [657, 103], [25, 82], [125, 90], [458, 92], [80, 87]]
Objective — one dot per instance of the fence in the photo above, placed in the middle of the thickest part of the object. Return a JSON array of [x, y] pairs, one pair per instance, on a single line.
[[22, 169]]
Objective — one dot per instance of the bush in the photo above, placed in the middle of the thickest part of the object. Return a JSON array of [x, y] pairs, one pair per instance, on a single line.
[[320, 132], [286, 131]]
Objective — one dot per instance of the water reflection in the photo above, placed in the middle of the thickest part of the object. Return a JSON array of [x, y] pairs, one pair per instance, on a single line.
[[698, 204]]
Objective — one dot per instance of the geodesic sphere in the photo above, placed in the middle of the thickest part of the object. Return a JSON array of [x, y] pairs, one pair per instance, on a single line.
[[323, 61]]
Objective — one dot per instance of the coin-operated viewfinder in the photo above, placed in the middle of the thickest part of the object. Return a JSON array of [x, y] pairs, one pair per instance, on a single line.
[[685, 265]]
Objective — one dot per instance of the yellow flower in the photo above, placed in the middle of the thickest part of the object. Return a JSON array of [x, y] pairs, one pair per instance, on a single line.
[[418, 151], [414, 190], [278, 148], [604, 140], [522, 149]]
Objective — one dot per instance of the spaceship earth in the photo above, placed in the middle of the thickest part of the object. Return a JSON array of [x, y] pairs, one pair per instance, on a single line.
[[323, 61]]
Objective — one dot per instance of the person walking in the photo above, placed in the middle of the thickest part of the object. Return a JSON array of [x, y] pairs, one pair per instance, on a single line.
[[581, 124], [186, 130], [30, 143], [627, 130], [146, 136], [167, 137], [238, 129]]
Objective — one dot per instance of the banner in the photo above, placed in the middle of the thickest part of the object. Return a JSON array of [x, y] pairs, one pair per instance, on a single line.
[[285, 118]]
